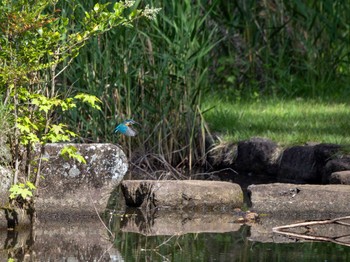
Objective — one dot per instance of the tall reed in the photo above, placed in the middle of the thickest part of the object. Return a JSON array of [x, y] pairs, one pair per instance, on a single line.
[[288, 48], [153, 73]]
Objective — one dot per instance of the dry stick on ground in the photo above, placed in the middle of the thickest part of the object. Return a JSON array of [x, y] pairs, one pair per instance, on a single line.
[[279, 230], [214, 172], [163, 165]]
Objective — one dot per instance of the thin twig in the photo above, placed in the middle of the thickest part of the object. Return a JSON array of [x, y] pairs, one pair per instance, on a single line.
[[279, 230], [103, 223], [310, 223], [164, 242], [215, 172]]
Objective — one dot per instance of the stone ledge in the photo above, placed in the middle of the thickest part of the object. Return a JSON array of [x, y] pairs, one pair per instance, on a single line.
[[181, 194], [279, 199]]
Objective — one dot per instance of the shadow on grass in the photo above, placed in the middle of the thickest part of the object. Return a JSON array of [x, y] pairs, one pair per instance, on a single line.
[[286, 122]]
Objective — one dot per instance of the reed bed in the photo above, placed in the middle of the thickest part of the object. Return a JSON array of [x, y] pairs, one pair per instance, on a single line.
[[160, 71], [154, 73]]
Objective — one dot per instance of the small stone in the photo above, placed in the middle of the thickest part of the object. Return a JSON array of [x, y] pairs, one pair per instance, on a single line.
[[341, 177], [74, 172], [335, 165]]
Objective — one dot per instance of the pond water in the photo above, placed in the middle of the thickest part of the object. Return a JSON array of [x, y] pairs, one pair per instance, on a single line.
[[167, 236], [135, 235], [230, 246]]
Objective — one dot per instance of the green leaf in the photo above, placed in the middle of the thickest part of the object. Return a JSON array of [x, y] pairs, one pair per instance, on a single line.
[[23, 190], [72, 152], [96, 7], [23, 129], [67, 104], [57, 129], [79, 158], [33, 138], [25, 193], [30, 185], [90, 99]]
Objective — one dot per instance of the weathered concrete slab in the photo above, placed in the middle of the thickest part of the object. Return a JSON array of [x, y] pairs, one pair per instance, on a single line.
[[71, 187], [181, 194], [278, 198]]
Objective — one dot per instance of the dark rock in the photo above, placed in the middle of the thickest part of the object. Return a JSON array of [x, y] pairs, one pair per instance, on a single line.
[[325, 152], [335, 165], [341, 177], [181, 194], [281, 198], [258, 156], [298, 164]]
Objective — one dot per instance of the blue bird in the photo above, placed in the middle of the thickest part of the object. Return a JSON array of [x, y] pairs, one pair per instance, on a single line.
[[125, 128]]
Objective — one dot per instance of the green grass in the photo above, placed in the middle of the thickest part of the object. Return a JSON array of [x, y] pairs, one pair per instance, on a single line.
[[288, 122]]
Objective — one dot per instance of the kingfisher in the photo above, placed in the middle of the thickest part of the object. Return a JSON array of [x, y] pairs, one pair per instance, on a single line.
[[125, 128]]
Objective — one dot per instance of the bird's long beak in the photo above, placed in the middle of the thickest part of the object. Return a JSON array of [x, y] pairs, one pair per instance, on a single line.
[[130, 124]]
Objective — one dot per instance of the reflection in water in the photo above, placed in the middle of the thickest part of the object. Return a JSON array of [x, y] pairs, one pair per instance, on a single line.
[[162, 236], [69, 239], [177, 222]]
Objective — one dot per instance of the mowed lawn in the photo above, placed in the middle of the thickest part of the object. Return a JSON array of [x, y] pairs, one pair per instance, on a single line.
[[288, 122]]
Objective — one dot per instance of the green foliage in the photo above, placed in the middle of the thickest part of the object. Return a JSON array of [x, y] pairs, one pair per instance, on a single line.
[[38, 41], [91, 100], [156, 72], [72, 152], [22, 190]]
